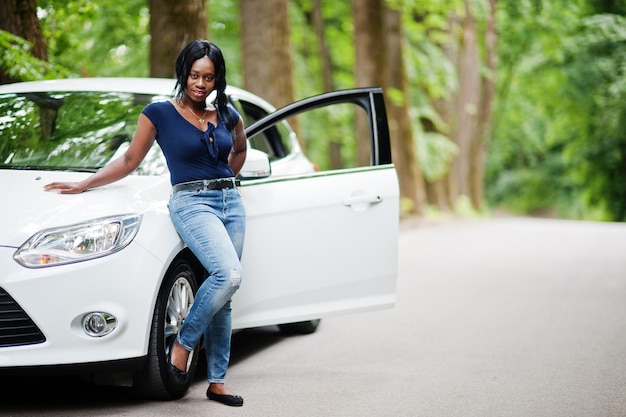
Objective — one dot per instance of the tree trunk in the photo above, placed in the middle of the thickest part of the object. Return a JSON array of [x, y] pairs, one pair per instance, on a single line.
[[19, 17], [443, 191], [317, 23], [173, 24], [266, 48], [467, 102], [400, 129], [484, 111], [467, 113], [370, 61]]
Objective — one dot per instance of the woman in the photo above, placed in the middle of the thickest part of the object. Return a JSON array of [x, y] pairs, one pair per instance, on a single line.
[[205, 148]]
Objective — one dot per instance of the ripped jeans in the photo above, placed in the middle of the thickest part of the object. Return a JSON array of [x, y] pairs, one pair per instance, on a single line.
[[212, 225]]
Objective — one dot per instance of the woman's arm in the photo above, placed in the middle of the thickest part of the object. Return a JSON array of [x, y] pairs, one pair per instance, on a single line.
[[240, 144], [117, 169]]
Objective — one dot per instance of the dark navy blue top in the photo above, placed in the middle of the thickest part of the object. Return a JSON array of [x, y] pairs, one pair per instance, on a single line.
[[189, 153]]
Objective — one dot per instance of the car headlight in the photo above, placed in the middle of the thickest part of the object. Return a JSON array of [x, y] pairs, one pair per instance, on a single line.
[[78, 242]]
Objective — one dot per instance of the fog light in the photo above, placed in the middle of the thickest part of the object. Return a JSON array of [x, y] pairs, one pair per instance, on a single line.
[[98, 324]]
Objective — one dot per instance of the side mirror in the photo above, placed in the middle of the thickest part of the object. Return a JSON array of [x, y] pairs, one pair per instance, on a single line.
[[257, 165]]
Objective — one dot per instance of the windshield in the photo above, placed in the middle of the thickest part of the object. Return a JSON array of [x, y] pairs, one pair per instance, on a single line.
[[78, 131]]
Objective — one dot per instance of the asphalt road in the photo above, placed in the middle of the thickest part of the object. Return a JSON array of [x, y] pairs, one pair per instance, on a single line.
[[499, 318]]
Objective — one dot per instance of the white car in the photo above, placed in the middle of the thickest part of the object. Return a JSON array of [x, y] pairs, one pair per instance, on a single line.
[[97, 283]]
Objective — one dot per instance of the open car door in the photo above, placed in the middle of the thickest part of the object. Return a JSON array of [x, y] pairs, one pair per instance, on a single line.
[[326, 242]]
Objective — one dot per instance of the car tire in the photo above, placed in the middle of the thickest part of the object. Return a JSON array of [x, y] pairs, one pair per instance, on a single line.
[[172, 306], [302, 327]]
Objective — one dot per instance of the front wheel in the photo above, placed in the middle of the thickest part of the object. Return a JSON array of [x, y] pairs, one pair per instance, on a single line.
[[172, 306]]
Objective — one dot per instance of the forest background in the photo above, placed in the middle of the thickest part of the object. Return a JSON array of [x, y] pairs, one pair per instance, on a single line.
[[514, 105]]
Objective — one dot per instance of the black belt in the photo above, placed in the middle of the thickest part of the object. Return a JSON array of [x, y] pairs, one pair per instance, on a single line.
[[203, 185]]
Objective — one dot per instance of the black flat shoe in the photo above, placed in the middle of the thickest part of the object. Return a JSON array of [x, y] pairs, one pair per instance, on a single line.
[[179, 377], [231, 400]]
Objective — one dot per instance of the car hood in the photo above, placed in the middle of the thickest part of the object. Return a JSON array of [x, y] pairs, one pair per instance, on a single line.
[[25, 208]]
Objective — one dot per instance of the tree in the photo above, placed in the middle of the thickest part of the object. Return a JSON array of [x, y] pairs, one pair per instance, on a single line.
[[19, 17], [472, 105], [398, 104], [463, 112], [488, 87], [173, 24], [266, 50], [316, 21], [370, 61]]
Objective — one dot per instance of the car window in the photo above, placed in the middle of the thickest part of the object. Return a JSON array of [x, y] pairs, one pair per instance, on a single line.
[[344, 129], [329, 136], [83, 131], [275, 142], [79, 131]]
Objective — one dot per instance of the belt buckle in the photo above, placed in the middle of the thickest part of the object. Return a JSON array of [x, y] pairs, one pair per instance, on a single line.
[[205, 184]]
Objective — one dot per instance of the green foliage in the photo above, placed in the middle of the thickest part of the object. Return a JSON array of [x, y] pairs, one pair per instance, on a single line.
[[596, 74], [561, 112], [224, 30], [16, 60], [435, 152], [560, 129], [97, 37]]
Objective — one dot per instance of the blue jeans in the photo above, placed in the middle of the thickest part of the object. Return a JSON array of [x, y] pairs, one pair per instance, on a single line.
[[212, 225]]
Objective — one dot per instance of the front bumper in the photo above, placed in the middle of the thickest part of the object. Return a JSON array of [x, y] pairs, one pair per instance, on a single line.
[[55, 299]]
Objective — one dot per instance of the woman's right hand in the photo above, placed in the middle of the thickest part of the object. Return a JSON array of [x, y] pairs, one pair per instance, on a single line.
[[65, 187]]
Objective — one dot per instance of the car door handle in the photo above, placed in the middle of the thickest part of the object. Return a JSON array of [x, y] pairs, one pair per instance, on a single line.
[[359, 200]]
